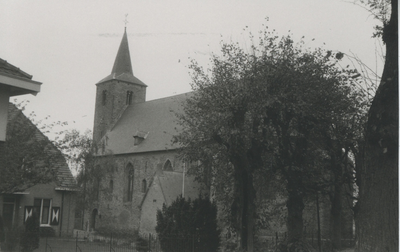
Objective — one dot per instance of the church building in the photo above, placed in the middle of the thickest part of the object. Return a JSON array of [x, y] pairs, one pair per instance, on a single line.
[[139, 167]]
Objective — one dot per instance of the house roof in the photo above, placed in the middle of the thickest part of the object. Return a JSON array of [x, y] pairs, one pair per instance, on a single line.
[[7, 68], [63, 175], [156, 118], [122, 69], [17, 81]]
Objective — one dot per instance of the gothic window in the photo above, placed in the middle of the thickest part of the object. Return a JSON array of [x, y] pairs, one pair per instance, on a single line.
[[104, 97], [92, 223], [97, 187], [129, 95], [131, 178], [167, 166], [96, 183], [144, 185]]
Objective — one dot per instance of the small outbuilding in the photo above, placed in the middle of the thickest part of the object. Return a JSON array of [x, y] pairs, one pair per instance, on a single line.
[[53, 201]]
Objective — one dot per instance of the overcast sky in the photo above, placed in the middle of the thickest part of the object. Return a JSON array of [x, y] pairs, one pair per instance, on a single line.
[[70, 45]]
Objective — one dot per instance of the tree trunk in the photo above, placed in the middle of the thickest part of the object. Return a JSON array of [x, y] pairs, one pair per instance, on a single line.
[[336, 213], [243, 208], [377, 219], [336, 207], [295, 206], [237, 208], [248, 217]]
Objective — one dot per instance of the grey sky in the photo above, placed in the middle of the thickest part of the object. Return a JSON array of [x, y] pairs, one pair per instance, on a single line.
[[71, 45]]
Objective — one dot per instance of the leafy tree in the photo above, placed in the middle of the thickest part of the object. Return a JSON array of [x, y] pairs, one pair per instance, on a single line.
[[377, 215], [79, 151], [380, 10], [188, 225], [269, 109], [27, 154], [76, 147], [341, 141]]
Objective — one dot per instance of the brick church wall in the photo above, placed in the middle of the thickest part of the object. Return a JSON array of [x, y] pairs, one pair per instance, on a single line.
[[114, 210]]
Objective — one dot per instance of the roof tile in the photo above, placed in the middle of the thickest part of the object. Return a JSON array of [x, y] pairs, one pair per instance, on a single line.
[[7, 68]]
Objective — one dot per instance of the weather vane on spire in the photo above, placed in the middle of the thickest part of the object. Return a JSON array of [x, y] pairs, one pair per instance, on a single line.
[[126, 20]]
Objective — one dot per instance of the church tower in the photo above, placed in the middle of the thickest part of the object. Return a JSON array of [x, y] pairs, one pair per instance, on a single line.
[[116, 92]]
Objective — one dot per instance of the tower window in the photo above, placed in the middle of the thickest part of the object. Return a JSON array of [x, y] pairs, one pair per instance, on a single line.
[[104, 97], [131, 178], [111, 185], [129, 95]]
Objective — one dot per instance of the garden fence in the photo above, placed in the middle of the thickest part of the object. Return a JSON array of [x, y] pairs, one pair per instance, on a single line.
[[152, 243], [149, 243], [271, 242]]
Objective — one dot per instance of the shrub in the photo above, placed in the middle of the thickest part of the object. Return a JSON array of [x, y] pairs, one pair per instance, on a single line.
[[47, 232], [141, 244], [12, 238], [30, 236], [187, 225], [129, 235]]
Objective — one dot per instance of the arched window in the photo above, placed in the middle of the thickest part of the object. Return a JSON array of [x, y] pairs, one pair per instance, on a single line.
[[131, 178], [111, 185], [96, 183], [129, 95], [104, 97], [144, 185], [97, 188], [167, 166]]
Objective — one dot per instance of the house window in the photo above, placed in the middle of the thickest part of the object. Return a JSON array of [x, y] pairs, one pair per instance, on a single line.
[[167, 166], [41, 207], [104, 97], [131, 178], [144, 185], [129, 95]]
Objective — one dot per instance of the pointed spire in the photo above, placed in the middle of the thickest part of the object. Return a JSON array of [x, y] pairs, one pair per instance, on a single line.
[[122, 69], [122, 62]]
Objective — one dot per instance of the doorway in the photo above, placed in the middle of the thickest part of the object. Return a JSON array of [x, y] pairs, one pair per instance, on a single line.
[[8, 211], [93, 219]]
